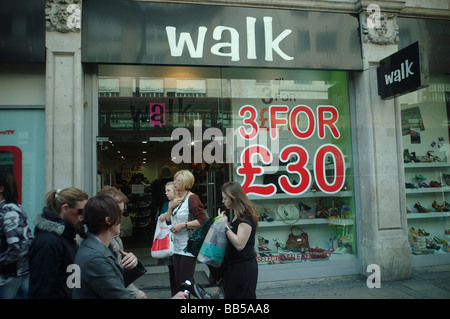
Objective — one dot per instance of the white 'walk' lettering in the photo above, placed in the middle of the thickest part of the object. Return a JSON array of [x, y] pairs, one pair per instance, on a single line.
[[196, 51]]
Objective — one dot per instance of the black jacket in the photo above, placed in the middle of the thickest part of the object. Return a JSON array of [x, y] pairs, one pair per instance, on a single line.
[[52, 250]]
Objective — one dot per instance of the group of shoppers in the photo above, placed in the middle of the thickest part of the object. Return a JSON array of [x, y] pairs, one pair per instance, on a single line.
[[76, 229], [185, 212]]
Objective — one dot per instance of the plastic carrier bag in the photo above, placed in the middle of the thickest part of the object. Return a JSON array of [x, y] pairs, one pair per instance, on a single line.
[[215, 243], [162, 246]]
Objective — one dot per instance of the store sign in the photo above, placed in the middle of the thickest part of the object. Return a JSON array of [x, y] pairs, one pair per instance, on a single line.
[[295, 156], [193, 34], [403, 72], [257, 156]]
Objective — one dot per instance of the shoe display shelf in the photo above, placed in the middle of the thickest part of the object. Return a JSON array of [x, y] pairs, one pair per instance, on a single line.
[[428, 212], [331, 238]]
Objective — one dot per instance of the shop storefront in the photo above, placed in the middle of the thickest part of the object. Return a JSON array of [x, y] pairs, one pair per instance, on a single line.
[[22, 100], [283, 100], [258, 98], [425, 138]]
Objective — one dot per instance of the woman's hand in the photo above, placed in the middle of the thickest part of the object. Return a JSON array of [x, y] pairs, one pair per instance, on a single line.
[[174, 203], [129, 260], [177, 228], [141, 295], [181, 295], [225, 222]]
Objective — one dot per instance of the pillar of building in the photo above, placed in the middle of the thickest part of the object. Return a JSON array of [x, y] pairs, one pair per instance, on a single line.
[[382, 225], [64, 105]]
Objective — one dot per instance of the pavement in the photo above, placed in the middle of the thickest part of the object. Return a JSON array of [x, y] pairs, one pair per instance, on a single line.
[[432, 282]]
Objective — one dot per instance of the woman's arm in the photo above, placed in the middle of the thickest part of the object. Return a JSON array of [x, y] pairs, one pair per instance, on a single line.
[[240, 239], [198, 212]]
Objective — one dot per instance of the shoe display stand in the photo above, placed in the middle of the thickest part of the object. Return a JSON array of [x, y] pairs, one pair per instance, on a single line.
[[139, 210], [328, 219], [427, 188]]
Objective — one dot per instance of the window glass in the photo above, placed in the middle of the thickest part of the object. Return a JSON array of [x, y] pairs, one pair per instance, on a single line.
[[222, 123], [23, 133], [292, 154], [425, 134]]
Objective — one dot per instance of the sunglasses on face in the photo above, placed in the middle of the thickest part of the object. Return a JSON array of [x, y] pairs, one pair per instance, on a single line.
[[79, 210]]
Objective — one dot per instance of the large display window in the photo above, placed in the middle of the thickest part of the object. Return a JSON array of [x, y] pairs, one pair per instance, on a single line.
[[284, 134], [425, 131]]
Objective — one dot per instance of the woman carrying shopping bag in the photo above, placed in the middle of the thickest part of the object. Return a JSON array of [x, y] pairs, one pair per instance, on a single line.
[[186, 215], [239, 265]]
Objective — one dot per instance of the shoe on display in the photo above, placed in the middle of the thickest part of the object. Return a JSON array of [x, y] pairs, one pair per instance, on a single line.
[[432, 245], [421, 209], [410, 185], [406, 156], [437, 207], [439, 240], [422, 232], [414, 158], [418, 176], [413, 232], [435, 184], [424, 185]]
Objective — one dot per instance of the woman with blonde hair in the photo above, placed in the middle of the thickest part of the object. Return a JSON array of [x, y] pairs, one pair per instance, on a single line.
[[185, 214], [240, 269], [54, 245]]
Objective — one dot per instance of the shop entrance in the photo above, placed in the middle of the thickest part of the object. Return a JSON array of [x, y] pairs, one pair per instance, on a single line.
[[140, 166], [136, 151]]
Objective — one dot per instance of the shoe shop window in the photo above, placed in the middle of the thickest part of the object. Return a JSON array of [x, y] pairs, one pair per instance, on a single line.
[[283, 134], [293, 156], [425, 133]]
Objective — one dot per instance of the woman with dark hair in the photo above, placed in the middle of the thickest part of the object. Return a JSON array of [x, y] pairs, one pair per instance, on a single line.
[[15, 240], [54, 245], [101, 275], [240, 266], [126, 260]]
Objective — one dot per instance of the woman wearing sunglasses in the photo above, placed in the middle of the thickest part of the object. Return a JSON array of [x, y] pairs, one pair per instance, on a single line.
[[54, 245]]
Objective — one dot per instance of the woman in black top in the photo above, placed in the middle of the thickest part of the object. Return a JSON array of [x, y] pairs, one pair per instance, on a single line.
[[240, 266]]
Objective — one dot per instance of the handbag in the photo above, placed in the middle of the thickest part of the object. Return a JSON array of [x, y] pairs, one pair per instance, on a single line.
[[195, 241], [297, 242], [162, 245], [326, 208], [130, 275], [288, 212]]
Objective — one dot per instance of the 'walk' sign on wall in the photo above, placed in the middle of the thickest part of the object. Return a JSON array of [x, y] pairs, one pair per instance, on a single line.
[[403, 72]]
